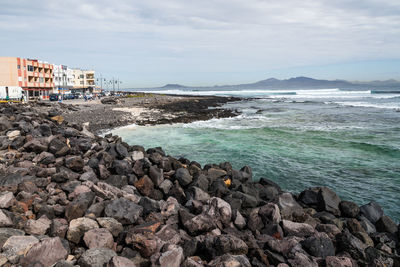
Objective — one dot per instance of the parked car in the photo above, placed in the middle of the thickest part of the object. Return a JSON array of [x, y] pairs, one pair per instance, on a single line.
[[54, 97]]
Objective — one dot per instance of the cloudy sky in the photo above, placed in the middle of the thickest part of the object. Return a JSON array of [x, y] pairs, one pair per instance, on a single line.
[[154, 42]]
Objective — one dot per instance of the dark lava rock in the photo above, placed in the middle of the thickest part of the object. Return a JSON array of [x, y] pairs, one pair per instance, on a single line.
[[319, 246], [145, 186], [123, 210], [328, 201], [74, 163], [230, 244], [309, 196], [372, 211], [122, 167], [385, 224], [351, 244], [349, 209], [183, 176]]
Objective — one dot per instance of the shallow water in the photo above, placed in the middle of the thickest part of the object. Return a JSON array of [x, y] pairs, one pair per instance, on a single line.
[[299, 142]]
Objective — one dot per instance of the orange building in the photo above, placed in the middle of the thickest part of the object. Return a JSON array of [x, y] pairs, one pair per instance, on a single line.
[[34, 76]]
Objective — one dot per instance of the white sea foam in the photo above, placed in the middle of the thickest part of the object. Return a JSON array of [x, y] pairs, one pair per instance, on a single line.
[[289, 94], [391, 105]]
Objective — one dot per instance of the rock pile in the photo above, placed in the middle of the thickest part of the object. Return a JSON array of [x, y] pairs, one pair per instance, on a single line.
[[69, 198]]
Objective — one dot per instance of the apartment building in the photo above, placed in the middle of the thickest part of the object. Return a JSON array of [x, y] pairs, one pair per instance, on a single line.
[[84, 80], [34, 76], [63, 78]]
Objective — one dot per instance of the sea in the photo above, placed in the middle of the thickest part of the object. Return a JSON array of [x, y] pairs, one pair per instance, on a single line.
[[347, 140]]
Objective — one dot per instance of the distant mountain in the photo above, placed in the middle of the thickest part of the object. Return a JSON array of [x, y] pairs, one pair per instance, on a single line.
[[294, 83], [173, 86]]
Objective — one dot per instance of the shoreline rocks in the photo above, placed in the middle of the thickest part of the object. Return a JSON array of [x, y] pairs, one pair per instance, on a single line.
[[68, 198]]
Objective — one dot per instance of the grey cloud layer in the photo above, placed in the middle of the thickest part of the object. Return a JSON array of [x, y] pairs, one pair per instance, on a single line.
[[283, 33]]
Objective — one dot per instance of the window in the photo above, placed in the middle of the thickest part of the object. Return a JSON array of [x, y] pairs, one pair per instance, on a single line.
[[20, 79], [25, 79], [30, 68], [81, 76], [19, 67], [81, 82], [41, 79]]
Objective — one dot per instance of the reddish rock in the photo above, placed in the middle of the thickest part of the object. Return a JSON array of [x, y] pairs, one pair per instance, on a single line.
[[144, 185], [332, 261], [118, 261], [38, 227]]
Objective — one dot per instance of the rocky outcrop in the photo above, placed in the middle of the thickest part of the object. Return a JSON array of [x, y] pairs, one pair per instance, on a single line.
[[71, 198]]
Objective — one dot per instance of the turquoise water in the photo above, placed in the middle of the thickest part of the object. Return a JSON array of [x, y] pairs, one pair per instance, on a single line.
[[298, 143]]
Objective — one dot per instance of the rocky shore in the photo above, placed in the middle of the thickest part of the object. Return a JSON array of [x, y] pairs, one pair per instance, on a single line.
[[71, 198], [147, 109]]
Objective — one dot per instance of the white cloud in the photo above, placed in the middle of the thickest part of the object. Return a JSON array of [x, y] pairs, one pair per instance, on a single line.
[[180, 36]]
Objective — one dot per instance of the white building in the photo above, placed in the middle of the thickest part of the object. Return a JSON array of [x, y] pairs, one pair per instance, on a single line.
[[63, 78]]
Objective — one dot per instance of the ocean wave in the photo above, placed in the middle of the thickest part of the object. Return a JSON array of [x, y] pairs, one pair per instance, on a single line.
[[391, 105]]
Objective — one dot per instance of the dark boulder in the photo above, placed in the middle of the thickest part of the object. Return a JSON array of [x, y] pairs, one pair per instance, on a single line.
[[183, 176], [385, 224], [309, 196], [230, 244], [123, 210], [349, 209], [145, 186], [372, 211], [74, 163], [122, 167], [351, 244], [156, 175], [320, 247], [328, 201]]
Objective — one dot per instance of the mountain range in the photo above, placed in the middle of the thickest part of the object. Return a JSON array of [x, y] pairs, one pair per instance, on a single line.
[[294, 83]]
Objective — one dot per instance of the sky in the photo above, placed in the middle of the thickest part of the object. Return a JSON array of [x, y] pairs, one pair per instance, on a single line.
[[155, 42]]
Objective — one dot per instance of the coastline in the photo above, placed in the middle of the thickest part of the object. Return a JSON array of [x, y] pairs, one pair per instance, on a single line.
[[147, 109], [91, 199]]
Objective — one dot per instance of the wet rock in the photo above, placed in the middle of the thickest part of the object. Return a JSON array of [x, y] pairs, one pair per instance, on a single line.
[[230, 244], [47, 252], [172, 258], [123, 210], [38, 227], [297, 229], [74, 163], [248, 201], [320, 247], [96, 257], [78, 227], [372, 211], [111, 225], [99, 238], [367, 225], [349, 209], [385, 224]]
